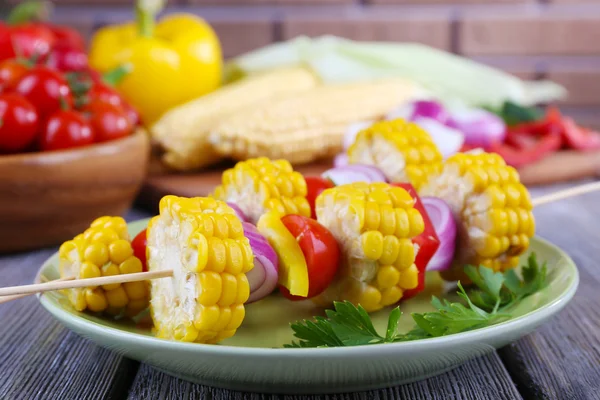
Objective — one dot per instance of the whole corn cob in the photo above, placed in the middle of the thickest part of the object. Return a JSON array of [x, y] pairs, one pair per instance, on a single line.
[[492, 207], [403, 151], [182, 132], [104, 249], [260, 185], [374, 224], [203, 241], [306, 126]]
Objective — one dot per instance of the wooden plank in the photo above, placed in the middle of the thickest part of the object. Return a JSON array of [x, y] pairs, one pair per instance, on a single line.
[[561, 359], [483, 378], [42, 359]]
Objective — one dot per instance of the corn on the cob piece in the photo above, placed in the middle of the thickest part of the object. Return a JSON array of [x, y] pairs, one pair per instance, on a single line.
[[104, 249], [260, 185], [203, 241], [492, 207], [403, 151], [374, 224], [182, 132], [306, 126]]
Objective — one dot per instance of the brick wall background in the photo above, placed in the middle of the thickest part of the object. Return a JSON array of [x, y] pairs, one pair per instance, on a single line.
[[556, 39]]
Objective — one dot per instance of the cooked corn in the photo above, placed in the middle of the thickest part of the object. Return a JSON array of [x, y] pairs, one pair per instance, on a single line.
[[203, 241], [183, 131], [374, 224], [493, 209], [104, 249], [260, 185], [403, 151], [306, 126]]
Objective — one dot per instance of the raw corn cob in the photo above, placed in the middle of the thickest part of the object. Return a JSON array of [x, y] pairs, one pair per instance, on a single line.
[[260, 185], [492, 207], [203, 242], [182, 133], [104, 249], [374, 224], [403, 151], [306, 126]]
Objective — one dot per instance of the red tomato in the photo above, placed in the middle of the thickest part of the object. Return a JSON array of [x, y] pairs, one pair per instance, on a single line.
[[26, 41], [109, 122], [320, 250], [66, 36], [44, 88], [427, 241], [132, 114], [314, 186], [11, 71], [66, 58], [103, 92], [18, 122], [66, 129], [139, 248]]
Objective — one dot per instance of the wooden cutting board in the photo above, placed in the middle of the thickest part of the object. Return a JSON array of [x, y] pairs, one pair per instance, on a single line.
[[559, 167]]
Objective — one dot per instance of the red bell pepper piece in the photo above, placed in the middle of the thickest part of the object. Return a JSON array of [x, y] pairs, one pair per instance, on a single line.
[[427, 242]]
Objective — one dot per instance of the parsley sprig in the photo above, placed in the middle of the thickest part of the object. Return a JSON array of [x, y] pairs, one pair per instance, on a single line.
[[489, 302]]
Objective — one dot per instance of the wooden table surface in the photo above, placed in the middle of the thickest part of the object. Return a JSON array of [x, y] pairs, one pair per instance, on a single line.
[[40, 359]]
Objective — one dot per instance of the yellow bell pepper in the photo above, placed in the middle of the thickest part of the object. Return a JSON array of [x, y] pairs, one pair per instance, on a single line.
[[293, 271], [170, 62]]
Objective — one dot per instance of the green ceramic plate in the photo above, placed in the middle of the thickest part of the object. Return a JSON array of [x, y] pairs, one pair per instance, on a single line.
[[253, 359]]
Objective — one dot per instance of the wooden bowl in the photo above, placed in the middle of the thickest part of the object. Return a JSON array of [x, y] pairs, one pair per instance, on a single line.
[[47, 198]]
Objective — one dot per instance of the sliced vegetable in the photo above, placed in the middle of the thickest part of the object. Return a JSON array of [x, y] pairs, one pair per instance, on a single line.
[[354, 173], [448, 140], [480, 127], [426, 244], [321, 252], [429, 109], [315, 185], [263, 277], [238, 212], [440, 215], [293, 271], [340, 160]]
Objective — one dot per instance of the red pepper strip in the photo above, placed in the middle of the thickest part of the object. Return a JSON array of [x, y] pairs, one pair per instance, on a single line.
[[427, 242], [519, 157], [579, 138]]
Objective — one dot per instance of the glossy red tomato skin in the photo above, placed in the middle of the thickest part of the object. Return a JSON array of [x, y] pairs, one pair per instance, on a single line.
[[103, 92], [139, 244], [66, 129], [320, 249], [44, 88], [109, 121], [11, 71], [427, 241], [26, 41], [19, 123], [67, 59], [315, 185]]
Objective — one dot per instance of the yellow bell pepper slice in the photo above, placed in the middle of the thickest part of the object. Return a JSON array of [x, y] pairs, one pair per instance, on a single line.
[[293, 271]]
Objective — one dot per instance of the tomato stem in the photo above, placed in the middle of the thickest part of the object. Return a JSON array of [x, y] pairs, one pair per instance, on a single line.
[[29, 11], [64, 106], [114, 76]]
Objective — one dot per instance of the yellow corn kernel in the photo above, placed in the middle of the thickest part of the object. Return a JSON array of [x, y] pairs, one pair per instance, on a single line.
[[372, 216], [95, 299], [409, 278], [206, 317], [185, 333], [120, 251], [388, 221], [105, 236], [235, 258], [372, 244], [217, 255], [110, 270], [210, 288], [391, 295], [243, 287], [387, 277], [89, 270], [416, 223], [224, 319], [136, 290], [230, 290], [370, 298], [235, 226], [131, 265], [402, 223], [96, 253], [391, 249], [406, 255], [237, 316], [221, 227], [117, 298]]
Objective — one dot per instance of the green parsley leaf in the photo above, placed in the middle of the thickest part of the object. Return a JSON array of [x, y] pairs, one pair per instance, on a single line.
[[392, 327]]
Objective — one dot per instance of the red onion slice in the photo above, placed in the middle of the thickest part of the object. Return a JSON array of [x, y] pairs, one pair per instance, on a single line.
[[354, 173], [240, 214], [480, 127], [263, 277], [340, 160], [443, 222]]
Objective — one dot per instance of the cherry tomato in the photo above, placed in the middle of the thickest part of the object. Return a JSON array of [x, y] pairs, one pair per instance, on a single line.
[[132, 114], [103, 92], [427, 241], [320, 250], [66, 58], [44, 88], [25, 41], [109, 121], [10, 73], [66, 36], [19, 122], [314, 186], [139, 248], [66, 129]]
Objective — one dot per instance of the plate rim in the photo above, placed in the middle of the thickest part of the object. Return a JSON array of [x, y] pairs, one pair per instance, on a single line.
[[533, 319]]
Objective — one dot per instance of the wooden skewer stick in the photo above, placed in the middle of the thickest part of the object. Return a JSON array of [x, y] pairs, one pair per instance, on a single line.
[[564, 194], [69, 283], [79, 283], [6, 299]]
